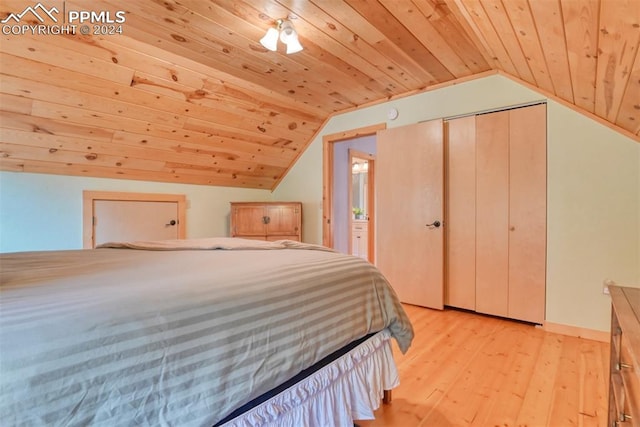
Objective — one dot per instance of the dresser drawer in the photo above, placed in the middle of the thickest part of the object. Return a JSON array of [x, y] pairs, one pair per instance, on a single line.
[[630, 382], [624, 381]]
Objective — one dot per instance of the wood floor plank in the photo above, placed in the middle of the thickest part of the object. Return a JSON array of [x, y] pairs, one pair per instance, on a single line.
[[592, 377], [516, 376], [452, 346], [538, 398], [565, 405], [466, 400], [466, 369]]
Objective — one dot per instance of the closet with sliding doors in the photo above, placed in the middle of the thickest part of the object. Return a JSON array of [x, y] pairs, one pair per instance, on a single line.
[[492, 256]]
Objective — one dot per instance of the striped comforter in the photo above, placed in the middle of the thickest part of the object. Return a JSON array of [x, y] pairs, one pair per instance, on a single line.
[[181, 337]]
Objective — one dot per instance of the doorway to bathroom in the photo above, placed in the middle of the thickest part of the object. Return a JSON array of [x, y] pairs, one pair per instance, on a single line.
[[349, 191]]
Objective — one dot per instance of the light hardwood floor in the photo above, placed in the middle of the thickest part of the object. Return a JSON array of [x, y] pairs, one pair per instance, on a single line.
[[465, 369]]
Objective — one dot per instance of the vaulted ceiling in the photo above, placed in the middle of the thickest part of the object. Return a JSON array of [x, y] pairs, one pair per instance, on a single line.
[[187, 94]]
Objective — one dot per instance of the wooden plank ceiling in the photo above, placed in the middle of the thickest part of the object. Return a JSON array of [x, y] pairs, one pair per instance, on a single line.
[[187, 93]]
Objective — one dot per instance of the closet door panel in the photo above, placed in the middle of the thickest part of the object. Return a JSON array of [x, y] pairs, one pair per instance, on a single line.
[[409, 193], [492, 213], [527, 201], [460, 206]]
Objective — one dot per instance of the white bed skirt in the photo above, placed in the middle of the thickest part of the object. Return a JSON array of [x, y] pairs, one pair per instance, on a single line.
[[348, 389]]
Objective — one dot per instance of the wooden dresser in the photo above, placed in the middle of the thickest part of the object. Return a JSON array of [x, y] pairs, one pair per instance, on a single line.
[[624, 381], [267, 220]]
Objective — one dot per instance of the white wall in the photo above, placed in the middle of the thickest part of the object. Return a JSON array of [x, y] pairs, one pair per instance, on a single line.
[[593, 191], [44, 212], [593, 216]]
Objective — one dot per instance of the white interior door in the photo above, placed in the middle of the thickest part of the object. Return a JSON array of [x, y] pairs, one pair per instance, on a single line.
[[410, 187], [126, 220]]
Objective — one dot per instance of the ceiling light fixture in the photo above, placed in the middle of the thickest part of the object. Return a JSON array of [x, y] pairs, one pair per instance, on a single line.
[[287, 34]]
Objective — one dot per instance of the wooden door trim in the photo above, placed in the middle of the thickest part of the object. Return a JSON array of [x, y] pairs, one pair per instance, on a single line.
[[327, 173], [90, 197], [370, 201]]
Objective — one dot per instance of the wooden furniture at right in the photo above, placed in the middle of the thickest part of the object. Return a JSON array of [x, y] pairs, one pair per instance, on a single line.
[[267, 220], [624, 379]]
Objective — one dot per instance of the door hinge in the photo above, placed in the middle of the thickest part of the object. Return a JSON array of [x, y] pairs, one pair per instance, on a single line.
[[94, 220]]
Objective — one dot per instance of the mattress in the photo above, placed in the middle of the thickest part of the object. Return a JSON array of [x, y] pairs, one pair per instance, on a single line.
[[178, 333]]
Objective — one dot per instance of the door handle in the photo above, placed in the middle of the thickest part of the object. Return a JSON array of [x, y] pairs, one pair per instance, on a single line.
[[435, 224], [172, 222]]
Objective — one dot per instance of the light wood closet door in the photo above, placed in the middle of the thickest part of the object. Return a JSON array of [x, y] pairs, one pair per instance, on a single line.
[[409, 186], [527, 212], [460, 213], [492, 213]]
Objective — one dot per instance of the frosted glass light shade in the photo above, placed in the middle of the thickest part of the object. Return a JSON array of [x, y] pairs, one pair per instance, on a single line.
[[286, 33], [270, 39], [294, 45], [289, 36]]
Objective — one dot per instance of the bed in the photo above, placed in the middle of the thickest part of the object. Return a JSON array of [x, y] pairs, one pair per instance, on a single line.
[[184, 333]]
